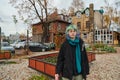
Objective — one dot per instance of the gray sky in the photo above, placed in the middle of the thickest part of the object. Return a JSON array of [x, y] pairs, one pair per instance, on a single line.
[[6, 12]]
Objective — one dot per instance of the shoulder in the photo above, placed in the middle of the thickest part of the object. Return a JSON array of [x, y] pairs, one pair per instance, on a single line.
[[81, 41], [64, 43]]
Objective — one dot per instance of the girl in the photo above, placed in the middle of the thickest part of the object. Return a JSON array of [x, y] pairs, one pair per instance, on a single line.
[[72, 62]]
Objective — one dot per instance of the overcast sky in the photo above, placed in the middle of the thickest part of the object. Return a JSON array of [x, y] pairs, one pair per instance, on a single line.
[[6, 12]]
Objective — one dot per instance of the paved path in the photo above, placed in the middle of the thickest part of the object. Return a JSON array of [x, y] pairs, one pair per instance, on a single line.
[[19, 71], [106, 67]]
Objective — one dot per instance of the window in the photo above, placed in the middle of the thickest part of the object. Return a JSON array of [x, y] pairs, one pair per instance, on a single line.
[[69, 19], [79, 25], [59, 27], [49, 27], [85, 35], [78, 14], [95, 37], [87, 12], [98, 32], [34, 30], [110, 37], [101, 37], [104, 37], [62, 17]]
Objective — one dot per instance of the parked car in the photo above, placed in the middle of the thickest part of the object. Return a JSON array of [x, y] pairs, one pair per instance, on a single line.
[[5, 46], [20, 45], [36, 47], [50, 45], [14, 44]]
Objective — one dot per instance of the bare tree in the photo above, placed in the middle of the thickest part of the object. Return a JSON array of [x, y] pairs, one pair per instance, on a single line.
[[15, 21], [78, 4], [32, 11], [111, 11]]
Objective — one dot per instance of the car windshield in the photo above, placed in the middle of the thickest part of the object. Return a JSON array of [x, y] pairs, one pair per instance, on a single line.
[[21, 42], [34, 44], [4, 44]]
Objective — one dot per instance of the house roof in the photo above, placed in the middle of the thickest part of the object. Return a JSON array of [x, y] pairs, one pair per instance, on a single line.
[[83, 11], [50, 21]]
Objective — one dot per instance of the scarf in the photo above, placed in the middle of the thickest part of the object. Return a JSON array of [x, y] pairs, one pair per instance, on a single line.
[[75, 42]]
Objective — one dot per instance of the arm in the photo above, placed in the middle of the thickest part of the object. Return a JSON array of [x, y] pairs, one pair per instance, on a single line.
[[60, 61], [86, 62]]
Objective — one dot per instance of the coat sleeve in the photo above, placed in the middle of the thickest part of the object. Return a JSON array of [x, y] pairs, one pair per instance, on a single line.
[[60, 61], [85, 58], [86, 61]]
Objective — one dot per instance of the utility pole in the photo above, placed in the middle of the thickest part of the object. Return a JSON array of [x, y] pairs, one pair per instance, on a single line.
[[27, 46]]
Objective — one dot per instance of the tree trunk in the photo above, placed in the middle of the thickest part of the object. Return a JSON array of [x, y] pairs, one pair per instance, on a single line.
[[45, 32]]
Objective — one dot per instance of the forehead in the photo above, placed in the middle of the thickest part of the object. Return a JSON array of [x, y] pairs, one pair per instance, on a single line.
[[72, 30]]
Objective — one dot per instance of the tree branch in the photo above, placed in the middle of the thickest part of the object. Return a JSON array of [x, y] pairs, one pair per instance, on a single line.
[[36, 10]]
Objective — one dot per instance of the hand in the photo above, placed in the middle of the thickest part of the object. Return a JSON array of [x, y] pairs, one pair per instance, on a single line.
[[56, 76]]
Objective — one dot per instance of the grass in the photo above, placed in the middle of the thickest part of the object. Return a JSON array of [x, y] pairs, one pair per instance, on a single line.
[[8, 62], [39, 77]]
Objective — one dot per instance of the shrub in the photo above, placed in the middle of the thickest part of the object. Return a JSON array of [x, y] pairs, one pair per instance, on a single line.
[[108, 49], [88, 49], [99, 45]]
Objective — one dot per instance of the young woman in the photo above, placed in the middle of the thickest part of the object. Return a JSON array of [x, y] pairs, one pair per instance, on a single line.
[[72, 62]]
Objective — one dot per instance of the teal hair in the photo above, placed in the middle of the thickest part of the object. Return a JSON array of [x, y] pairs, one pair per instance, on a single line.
[[71, 27]]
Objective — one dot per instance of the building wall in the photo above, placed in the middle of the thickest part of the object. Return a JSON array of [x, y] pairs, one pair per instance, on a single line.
[[55, 27], [37, 29], [105, 36], [88, 23], [36, 37], [83, 19], [98, 20], [84, 31]]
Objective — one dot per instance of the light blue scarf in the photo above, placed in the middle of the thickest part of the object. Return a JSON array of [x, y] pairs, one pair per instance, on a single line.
[[78, 53]]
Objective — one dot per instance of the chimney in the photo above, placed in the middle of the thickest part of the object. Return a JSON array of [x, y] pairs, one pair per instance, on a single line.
[[91, 17]]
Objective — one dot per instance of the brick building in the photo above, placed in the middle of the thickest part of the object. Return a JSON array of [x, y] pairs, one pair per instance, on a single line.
[[57, 26]]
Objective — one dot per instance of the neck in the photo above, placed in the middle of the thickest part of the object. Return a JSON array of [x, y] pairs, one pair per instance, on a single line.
[[73, 38]]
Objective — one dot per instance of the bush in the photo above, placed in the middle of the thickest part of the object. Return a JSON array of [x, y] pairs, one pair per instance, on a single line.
[[88, 49], [108, 49], [99, 45], [102, 47]]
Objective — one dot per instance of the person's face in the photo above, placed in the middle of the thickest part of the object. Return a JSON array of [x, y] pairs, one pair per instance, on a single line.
[[72, 33]]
